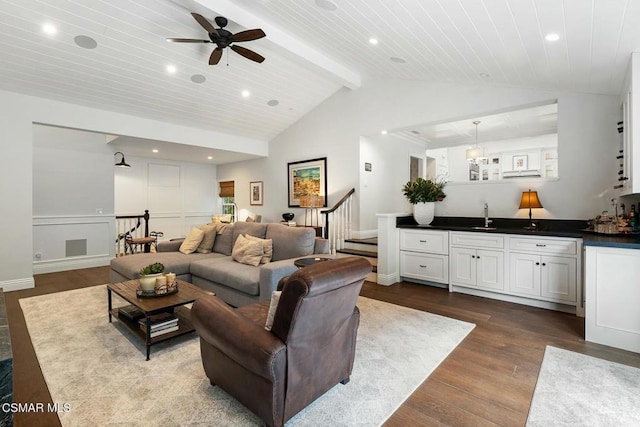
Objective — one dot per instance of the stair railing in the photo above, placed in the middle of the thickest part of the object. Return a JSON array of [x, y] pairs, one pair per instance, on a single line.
[[337, 222], [131, 226]]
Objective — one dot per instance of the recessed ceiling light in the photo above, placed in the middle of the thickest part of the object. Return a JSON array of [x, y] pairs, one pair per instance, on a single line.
[[273, 103], [326, 5], [210, 158], [373, 41], [154, 150], [384, 132], [397, 60], [171, 69], [198, 78], [246, 93], [85, 42], [552, 37], [49, 28]]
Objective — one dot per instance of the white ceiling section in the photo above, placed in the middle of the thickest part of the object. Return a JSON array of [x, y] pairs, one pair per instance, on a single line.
[[310, 52]]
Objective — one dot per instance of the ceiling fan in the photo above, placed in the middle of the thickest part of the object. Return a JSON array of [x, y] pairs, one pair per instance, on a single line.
[[223, 38]]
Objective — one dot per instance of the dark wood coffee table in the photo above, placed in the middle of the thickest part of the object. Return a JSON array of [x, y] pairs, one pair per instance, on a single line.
[[174, 303]]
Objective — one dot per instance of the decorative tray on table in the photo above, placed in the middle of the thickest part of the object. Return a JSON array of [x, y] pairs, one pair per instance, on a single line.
[[161, 291]]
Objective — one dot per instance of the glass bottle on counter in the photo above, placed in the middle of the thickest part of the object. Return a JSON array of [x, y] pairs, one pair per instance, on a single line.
[[633, 219]]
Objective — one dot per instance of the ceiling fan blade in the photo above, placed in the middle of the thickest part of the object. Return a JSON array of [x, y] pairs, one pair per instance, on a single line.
[[215, 56], [249, 54], [245, 36], [205, 24], [175, 40]]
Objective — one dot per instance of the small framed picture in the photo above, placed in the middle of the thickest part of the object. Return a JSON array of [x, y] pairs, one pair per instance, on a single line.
[[255, 193], [520, 163]]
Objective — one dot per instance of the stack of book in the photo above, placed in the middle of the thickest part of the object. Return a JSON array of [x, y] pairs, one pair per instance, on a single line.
[[161, 324]]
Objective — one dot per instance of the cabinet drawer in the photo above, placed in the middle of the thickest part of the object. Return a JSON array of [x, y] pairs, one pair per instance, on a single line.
[[543, 246], [434, 268], [425, 241], [477, 240]]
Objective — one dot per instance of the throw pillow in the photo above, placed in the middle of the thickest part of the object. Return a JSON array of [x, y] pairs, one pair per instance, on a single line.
[[267, 247], [246, 251], [275, 298], [206, 246], [192, 241]]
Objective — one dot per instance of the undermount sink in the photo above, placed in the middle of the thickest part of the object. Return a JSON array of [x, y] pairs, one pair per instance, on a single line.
[[483, 228]]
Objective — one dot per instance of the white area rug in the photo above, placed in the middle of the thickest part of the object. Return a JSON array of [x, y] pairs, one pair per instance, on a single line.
[[102, 373], [578, 390]]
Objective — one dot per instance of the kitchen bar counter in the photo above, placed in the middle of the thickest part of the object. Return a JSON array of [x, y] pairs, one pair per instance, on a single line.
[[547, 227]]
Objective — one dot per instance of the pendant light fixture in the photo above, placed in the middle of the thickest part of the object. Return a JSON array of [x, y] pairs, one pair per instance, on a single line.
[[475, 152]]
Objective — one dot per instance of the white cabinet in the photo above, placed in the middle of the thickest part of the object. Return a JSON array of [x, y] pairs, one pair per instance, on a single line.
[[612, 297], [424, 255], [544, 268], [476, 260]]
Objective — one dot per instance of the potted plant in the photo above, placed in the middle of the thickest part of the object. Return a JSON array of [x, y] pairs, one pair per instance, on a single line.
[[422, 194], [149, 274]]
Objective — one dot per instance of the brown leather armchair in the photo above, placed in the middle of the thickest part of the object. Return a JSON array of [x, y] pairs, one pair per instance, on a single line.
[[309, 349]]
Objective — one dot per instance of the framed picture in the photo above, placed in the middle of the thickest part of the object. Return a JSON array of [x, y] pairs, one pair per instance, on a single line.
[[307, 177], [520, 163], [255, 193]]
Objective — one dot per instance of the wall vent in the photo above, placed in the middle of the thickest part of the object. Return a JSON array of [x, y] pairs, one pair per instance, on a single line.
[[76, 247]]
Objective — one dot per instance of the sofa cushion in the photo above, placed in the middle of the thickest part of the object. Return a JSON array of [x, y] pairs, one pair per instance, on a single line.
[[225, 271], [224, 239], [290, 242], [267, 247], [251, 228], [174, 262], [247, 251], [206, 246], [192, 241]]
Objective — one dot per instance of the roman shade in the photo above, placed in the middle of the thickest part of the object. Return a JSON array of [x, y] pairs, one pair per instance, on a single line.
[[227, 189]]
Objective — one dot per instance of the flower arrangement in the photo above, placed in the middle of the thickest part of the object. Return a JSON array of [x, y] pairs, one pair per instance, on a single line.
[[154, 268], [424, 190]]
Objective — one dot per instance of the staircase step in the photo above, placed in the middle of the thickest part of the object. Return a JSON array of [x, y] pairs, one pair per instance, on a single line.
[[358, 252], [370, 241]]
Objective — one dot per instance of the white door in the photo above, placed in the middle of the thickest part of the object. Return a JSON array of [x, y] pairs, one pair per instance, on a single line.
[[463, 266], [490, 270], [524, 274], [558, 278]]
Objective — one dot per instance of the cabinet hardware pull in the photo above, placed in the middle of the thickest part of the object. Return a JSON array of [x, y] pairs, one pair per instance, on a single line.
[[423, 266], [422, 241], [543, 264], [473, 256], [537, 263], [540, 245]]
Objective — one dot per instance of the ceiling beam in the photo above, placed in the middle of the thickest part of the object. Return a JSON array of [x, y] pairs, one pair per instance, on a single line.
[[283, 42]]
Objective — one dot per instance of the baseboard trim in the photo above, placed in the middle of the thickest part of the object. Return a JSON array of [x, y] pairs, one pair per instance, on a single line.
[[55, 265], [17, 284], [387, 279]]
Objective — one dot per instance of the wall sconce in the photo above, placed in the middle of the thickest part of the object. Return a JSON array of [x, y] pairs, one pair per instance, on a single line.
[[121, 163], [530, 201]]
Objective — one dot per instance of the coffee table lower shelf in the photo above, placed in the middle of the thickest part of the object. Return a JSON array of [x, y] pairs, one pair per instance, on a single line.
[[184, 326]]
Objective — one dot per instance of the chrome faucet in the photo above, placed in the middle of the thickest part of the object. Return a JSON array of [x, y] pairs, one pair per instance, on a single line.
[[487, 221]]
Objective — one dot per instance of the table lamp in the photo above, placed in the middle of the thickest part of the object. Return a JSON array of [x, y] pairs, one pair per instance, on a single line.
[[529, 201]]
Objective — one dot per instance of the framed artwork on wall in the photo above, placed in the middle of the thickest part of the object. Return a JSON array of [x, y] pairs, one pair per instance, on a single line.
[[520, 163], [307, 177], [255, 193]]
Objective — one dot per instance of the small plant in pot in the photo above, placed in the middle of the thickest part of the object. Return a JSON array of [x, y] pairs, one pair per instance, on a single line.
[[422, 194], [148, 276]]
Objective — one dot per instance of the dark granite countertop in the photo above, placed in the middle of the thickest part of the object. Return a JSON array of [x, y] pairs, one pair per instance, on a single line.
[[545, 227]]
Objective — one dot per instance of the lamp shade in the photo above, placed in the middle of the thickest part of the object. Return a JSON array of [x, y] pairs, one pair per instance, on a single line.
[[530, 200], [311, 201], [475, 153]]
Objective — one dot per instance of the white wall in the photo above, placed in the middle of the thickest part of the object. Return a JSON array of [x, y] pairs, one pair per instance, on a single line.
[[587, 141], [178, 195]]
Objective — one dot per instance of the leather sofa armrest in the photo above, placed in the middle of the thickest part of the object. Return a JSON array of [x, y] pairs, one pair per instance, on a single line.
[[242, 340], [321, 246], [169, 245]]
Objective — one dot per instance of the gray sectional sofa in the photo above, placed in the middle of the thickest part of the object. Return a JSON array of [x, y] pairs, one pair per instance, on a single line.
[[235, 283]]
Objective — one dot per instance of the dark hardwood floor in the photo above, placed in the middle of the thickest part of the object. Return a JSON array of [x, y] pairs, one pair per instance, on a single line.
[[487, 380]]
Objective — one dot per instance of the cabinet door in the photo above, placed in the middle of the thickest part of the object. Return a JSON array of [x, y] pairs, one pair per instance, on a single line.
[[490, 270], [558, 279], [429, 267], [524, 274], [463, 266]]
